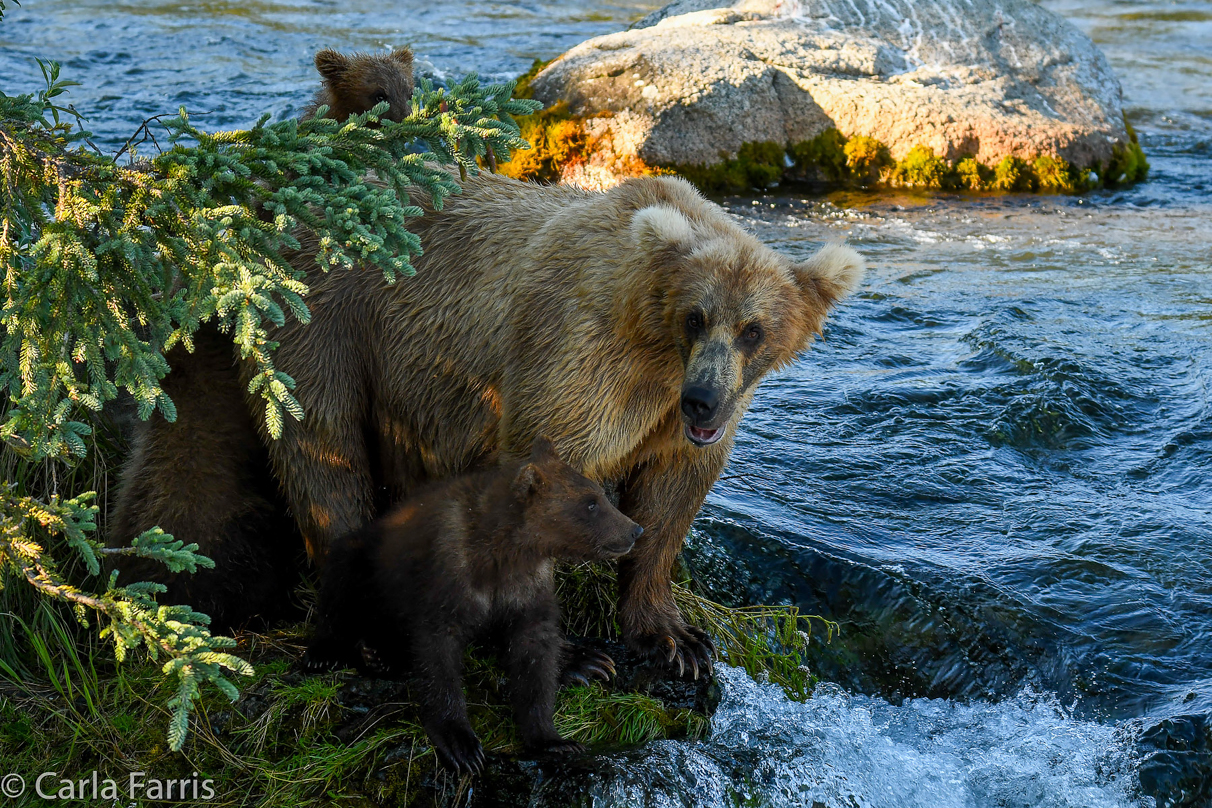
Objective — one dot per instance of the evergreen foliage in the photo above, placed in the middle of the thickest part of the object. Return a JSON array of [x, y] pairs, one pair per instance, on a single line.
[[107, 265]]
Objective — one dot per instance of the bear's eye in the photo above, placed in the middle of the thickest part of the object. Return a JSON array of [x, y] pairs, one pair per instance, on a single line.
[[380, 97], [694, 322], [753, 334], [591, 506]]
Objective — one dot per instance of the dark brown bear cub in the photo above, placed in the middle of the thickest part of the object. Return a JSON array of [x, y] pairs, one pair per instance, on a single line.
[[353, 84], [468, 556]]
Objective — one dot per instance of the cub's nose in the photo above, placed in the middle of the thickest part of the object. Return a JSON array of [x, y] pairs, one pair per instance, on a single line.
[[636, 532], [699, 403]]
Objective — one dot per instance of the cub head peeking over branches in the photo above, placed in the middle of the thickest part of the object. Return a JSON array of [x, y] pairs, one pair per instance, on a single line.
[[356, 83]]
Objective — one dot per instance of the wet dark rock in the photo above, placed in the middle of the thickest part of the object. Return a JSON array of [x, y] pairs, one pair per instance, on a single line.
[[1176, 769]]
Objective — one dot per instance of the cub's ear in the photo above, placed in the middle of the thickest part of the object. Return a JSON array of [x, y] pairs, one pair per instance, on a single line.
[[543, 449], [828, 276], [332, 65], [403, 56], [660, 227], [527, 482]]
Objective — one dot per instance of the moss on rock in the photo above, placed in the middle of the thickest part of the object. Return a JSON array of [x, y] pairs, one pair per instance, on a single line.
[[866, 157], [1127, 164], [756, 166], [922, 169], [1012, 174], [826, 153], [563, 142], [973, 174]]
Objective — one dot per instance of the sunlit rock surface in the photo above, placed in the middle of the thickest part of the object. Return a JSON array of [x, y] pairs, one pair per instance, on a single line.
[[691, 83]]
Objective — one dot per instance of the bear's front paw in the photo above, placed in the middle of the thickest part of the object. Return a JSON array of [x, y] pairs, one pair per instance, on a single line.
[[584, 665], [458, 748], [685, 648]]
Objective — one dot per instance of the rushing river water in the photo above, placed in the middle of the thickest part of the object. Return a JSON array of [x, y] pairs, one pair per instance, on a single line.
[[992, 472]]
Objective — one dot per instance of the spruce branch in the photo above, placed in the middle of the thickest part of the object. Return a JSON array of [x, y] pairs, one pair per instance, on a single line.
[[105, 268], [129, 616]]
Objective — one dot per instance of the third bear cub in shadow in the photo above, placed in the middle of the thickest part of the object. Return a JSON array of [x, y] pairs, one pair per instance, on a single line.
[[461, 558]]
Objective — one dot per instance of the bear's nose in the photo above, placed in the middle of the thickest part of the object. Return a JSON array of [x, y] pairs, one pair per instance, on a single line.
[[699, 403], [636, 532]]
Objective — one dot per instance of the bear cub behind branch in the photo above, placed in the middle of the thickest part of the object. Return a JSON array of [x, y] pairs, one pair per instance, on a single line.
[[354, 84], [463, 557]]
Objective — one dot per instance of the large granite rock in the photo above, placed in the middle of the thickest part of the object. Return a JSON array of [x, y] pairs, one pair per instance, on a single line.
[[691, 83]]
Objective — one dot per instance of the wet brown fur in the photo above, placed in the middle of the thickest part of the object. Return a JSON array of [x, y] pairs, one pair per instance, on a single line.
[[555, 310], [460, 557]]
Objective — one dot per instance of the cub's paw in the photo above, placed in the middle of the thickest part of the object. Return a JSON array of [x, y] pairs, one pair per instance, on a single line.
[[685, 649], [317, 663], [372, 662], [584, 665], [458, 748]]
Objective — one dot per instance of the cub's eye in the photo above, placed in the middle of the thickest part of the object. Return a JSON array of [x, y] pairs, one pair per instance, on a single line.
[[753, 334], [694, 322], [592, 506], [380, 97]]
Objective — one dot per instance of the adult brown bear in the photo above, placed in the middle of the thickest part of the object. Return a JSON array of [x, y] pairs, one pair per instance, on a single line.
[[631, 327]]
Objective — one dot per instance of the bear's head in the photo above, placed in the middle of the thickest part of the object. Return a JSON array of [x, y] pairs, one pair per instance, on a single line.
[[565, 514], [354, 84], [732, 308]]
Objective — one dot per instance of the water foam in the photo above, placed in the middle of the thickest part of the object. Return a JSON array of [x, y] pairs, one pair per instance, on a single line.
[[844, 751]]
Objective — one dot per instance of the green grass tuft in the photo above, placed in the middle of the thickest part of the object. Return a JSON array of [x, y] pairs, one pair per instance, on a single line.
[[594, 716], [1127, 164], [767, 641]]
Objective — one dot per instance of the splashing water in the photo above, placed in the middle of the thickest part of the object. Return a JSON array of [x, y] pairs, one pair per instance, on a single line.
[[841, 751]]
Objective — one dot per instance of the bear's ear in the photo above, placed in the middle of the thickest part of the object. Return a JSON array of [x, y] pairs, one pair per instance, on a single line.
[[660, 227], [332, 65], [403, 56], [527, 482], [828, 276], [543, 449]]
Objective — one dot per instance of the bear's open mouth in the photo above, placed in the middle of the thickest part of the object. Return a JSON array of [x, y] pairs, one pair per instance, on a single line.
[[704, 437]]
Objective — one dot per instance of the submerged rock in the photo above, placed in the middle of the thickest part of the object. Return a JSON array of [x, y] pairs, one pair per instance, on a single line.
[[692, 84]]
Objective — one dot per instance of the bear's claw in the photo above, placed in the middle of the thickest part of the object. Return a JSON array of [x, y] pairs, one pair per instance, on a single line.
[[586, 664], [689, 649], [314, 664], [458, 749]]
